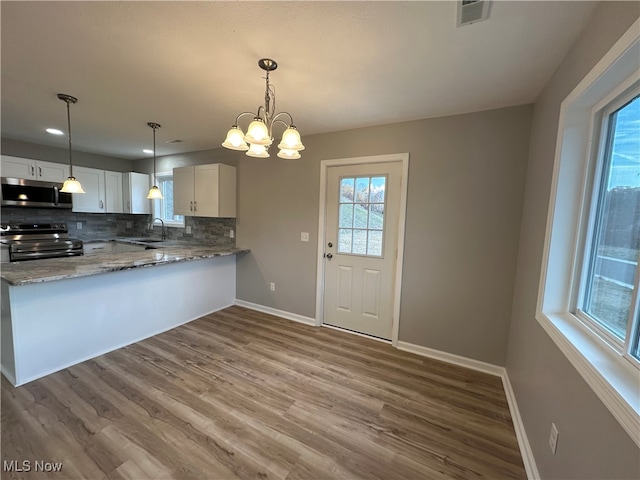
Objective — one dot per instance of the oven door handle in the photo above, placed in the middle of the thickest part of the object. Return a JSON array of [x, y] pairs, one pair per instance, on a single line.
[[56, 195]]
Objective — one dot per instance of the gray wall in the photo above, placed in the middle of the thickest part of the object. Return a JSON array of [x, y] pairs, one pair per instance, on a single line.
[[591, 445], [466, 186], [46, 153]]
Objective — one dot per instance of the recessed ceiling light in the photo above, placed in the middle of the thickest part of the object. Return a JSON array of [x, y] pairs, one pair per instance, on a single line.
[[146, 150], [55, 131]]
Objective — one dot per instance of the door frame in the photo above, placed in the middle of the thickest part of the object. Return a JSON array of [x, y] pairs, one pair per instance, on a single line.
[[340, 162]]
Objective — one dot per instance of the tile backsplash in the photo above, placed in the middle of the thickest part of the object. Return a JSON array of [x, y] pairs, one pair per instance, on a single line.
[[213, 231]]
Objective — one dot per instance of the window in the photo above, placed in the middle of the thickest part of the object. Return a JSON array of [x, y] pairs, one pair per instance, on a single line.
[[164, 208], [361, 218], [611, 261], [588, 300]]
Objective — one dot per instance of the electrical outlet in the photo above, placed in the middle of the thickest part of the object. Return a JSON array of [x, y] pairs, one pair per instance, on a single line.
[[129, 224], [232, 234], [272, 286], [304, 236], [188, 230], [79, 225], [553, 438]]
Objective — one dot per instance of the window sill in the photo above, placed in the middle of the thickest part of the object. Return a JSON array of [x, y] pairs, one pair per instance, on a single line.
[[613, 379]]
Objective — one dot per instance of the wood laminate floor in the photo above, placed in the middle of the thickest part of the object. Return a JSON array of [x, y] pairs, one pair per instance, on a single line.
[[241, 394]]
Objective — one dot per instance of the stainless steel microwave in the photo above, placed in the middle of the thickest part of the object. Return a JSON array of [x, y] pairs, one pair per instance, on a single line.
[[19, 192]]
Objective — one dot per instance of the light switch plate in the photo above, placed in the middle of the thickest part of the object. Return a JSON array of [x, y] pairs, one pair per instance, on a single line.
[[188, 230], [232, 234], [304, 236], [79, 225]]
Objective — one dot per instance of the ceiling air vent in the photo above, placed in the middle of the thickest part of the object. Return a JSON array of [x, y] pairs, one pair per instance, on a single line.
[[472, 11]]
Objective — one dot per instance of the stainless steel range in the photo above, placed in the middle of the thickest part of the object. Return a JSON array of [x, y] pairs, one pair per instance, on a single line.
[[31, 241]]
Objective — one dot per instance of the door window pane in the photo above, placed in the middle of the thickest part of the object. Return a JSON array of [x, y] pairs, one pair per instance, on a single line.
[[616, 239], [344, 240], [346, 190], [374, 246], [361, 215], [359, 242], [346, 215], [362, 190]]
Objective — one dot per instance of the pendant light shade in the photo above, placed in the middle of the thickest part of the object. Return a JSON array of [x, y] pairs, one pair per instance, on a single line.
[[154, 192], [70, 185]]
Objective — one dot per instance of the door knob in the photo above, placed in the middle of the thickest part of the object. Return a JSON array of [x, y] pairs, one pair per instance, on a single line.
[[329, 256], [330, 244]]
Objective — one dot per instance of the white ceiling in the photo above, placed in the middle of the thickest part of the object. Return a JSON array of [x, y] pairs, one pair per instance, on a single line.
[[192, 66]]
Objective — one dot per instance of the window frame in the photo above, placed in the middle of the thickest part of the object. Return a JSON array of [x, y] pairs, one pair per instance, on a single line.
[[599, 138], [156, 207], [611, 375]]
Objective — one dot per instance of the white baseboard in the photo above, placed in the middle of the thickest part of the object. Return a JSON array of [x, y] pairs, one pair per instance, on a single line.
[[498, 371], [452, 358], [521, 434], [278, 313], [523, 441]]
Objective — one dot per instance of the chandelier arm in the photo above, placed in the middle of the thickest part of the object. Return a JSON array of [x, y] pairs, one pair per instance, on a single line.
[[284, 113], [242, 115]]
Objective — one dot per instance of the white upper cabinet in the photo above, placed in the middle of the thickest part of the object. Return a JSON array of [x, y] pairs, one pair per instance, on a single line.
[[136, 189], [113, 192], [93, 183], [205, 191], [16, 167]]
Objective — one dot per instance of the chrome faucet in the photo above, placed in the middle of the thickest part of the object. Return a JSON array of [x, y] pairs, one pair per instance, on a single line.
[[163, 235]]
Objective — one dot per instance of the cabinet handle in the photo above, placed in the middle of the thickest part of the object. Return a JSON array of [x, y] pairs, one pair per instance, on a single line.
[[128, 205], [191, 206], [195, 206], [33, 171], [101, 204], [40, 170]]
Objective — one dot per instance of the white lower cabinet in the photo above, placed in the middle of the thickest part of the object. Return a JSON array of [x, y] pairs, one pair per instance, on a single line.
[[93, 248]]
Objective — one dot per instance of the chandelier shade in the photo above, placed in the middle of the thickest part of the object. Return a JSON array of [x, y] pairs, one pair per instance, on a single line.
[[235, 140], [259, 136], [258, 151]]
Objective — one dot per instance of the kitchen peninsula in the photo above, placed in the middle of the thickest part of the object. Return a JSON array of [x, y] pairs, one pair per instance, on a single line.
[[60, 312]]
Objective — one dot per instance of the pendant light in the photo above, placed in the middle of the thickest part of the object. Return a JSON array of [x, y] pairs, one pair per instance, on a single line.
[[71, 185], [154, 192]]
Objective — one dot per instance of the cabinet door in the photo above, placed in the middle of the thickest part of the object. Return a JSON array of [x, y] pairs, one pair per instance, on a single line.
[[183, 191], [136, 191], [113, 192], [15, 167], [92, 182], [206, 190], [51, 172]]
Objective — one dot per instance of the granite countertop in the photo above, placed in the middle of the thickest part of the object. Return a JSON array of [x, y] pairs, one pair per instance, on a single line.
[[161, 253]]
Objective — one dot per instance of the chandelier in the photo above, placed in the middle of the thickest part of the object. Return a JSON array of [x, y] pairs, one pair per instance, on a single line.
[[259, 136]]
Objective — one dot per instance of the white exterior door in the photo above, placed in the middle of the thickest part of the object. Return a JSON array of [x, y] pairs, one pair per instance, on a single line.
[[361, 246]]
